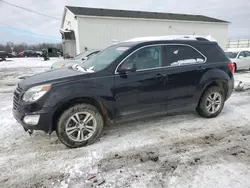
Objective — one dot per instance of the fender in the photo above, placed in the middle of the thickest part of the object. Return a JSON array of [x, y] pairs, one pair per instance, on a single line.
[[207, 79], [63, 93]]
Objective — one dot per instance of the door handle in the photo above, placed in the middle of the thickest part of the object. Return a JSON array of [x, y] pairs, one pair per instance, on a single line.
[[159, 76]]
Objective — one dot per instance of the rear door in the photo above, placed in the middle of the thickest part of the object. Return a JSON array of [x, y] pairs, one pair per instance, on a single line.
[[184, 69]]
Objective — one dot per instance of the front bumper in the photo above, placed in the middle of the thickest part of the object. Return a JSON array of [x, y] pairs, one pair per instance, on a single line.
[[44, 123], [22, 110]]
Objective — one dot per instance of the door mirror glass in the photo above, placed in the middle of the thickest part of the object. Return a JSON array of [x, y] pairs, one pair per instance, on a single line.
[[128, 67]]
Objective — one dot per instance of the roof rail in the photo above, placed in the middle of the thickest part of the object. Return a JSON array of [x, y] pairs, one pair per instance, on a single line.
[[172, 37]]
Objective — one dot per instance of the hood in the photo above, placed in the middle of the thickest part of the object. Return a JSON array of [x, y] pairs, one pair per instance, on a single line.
[[51, 76], [65, 63]]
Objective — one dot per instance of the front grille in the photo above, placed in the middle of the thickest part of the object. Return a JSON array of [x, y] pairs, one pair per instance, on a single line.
[[16, 97]]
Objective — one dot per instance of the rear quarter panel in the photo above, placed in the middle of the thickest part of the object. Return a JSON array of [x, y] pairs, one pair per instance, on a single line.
[[214, 72]]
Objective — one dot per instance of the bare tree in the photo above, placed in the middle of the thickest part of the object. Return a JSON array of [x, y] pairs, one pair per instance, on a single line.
[[23, 46]]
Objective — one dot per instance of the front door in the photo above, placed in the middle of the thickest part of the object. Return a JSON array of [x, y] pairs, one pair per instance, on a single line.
[[184, 69], [246, 60], [140, 91]]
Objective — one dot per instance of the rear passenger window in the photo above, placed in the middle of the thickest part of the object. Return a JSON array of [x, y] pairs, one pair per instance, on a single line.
[[178, 55]]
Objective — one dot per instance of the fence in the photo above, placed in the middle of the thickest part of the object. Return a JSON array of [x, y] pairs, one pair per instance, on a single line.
[[240, 43]]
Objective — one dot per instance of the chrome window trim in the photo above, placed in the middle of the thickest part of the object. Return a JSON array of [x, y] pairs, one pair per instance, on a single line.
[[174, 44]]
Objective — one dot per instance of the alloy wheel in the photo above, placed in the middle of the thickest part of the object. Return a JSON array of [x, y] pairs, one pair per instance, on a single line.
[[81, 126], [213, 102]]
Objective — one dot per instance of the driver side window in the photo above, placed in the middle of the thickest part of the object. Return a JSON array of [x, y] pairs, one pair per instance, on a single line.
[[242, 54], [145, 58]]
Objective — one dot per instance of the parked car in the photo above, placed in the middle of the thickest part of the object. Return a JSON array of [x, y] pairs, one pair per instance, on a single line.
[[80, 58], [40, 53], [241, 59], [54, 52], [3, 55], [29, 53], [133, 78]]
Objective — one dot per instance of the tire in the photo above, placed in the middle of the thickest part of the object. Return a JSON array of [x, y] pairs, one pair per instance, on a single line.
[[65, 121], [204, 102]]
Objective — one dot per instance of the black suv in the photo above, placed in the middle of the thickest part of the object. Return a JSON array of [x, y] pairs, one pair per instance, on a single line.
[[136, 77], [29, 53]]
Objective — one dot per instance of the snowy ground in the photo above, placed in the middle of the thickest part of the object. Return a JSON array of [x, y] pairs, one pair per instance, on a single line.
[[174, 150]]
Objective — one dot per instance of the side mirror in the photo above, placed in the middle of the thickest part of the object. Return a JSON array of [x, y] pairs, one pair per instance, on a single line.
[[124, 70], [84, 59], [241, 57]]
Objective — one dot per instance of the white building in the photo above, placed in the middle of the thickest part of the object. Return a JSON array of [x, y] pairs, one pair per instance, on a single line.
[[91, 28]]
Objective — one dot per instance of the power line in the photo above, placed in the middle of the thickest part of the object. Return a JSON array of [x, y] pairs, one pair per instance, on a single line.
[[29, 10]]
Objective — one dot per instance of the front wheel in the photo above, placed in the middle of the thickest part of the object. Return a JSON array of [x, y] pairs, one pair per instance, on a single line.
[[211, 102], [79, 126]]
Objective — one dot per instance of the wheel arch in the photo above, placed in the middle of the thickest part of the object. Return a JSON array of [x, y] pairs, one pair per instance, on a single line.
[[219, 83], [105, 112], [235, 66]]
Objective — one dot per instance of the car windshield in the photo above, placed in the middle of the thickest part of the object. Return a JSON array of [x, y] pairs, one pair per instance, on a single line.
[[232, 55], [104, 58], [81, 55]]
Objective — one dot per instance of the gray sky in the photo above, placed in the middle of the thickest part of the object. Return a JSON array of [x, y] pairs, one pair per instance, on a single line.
[[20, 26]]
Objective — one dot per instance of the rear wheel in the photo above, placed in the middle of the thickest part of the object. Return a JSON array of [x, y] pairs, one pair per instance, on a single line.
[[211, 102], [79, 126]]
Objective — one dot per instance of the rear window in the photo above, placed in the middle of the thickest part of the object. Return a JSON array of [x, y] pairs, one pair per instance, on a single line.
[[213, 52]]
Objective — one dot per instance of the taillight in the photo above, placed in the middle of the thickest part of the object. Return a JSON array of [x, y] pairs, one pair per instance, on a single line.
[[231, 67]]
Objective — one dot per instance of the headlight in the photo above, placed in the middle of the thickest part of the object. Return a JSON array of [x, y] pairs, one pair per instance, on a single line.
[[35, 93]]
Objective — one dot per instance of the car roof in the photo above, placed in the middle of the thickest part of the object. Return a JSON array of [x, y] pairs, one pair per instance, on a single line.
[[171, 38], [184, 39]]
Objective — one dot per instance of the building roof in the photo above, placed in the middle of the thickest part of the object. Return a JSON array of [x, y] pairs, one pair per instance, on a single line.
[[140, 14]]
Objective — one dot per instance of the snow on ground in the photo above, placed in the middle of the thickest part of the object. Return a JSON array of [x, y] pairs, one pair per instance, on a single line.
[[179, 150], [27, 62], [244, 77]]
